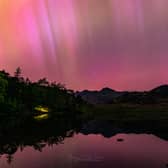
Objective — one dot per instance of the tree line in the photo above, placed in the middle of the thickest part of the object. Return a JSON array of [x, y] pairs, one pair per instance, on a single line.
[[21, 95]]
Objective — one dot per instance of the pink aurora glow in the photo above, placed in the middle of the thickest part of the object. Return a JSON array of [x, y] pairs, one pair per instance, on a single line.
[[87, 44]]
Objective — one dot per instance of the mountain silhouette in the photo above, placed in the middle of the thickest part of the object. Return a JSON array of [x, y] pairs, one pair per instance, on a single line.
[[109, 96], [160, 91], [105, 95]]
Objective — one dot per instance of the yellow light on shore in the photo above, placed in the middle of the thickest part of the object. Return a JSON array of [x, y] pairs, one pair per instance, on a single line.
[[42, 109], [41, 117]]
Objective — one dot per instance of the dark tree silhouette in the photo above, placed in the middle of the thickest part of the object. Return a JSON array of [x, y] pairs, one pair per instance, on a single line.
[[23, 96], [18, 72]]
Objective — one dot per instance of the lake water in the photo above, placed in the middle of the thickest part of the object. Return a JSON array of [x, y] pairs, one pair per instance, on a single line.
[[84, 149]]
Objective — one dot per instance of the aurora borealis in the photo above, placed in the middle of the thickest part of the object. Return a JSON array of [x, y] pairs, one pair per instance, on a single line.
[[87, 44]]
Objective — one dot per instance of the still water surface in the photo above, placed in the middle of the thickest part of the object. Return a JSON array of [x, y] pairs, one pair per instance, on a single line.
[[87, 151]]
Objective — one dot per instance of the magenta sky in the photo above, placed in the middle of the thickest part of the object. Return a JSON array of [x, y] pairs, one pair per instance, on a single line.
[[87, 44]]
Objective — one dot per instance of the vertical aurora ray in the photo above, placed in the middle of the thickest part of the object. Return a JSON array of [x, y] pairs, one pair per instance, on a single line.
[[44, 27], [64, 31], [87, 43]]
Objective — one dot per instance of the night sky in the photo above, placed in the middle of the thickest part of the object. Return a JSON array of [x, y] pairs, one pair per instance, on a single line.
[[87, 44]]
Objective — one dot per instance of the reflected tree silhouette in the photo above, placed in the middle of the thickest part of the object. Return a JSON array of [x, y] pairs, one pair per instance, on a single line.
[[35, 134], [54, 131], [9, 158]]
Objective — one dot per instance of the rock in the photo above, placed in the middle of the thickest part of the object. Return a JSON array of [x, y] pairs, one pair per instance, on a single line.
[[120, 140]]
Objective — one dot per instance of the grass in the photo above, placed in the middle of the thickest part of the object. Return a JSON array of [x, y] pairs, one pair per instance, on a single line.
[[127, 112]]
